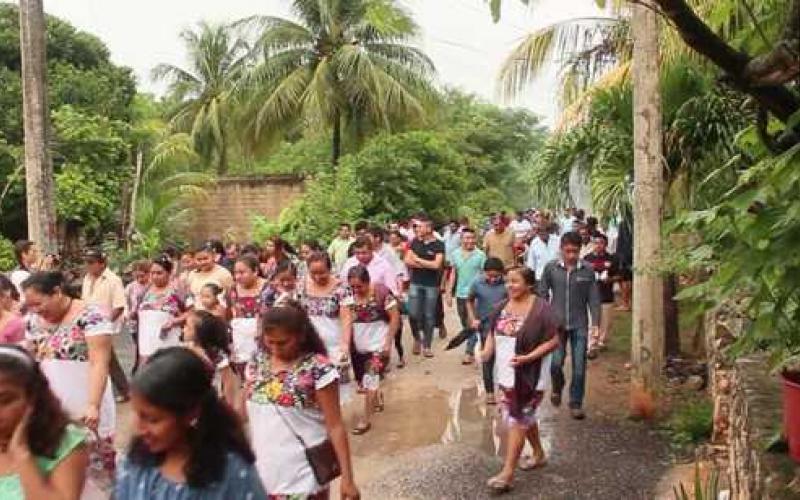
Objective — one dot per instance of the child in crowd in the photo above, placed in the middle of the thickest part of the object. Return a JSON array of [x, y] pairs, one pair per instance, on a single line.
[[210, 299], [485, 293], [209, 335]]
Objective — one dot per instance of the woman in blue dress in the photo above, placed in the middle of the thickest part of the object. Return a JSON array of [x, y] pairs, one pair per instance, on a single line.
[[189, 445]]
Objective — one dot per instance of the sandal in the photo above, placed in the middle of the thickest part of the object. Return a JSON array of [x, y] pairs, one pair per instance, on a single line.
[[428, 353], [401, 363], [529, 463], [361, 428], [499, 486]]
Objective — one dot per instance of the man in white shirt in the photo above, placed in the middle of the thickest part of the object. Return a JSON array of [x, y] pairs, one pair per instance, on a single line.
[[521, 227], [104, 288], [543, 248], [380, 270]]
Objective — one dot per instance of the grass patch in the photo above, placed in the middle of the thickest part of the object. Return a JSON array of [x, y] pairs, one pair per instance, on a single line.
[[690, 423]]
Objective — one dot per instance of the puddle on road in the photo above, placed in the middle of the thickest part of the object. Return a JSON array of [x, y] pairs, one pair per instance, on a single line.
[[420, 414]]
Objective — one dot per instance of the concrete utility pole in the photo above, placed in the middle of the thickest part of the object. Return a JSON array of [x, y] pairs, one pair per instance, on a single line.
[[39, 184], [648, 300]]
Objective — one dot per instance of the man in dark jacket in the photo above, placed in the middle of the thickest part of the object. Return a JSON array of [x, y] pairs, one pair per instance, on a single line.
[[570, 284]]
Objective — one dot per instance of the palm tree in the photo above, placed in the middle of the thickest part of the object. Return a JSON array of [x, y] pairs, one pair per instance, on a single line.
[[205, 91], [342, 63], [171, 185]]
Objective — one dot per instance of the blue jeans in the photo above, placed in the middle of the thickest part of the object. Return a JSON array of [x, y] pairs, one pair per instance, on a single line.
[[422, 302], [578, 339]]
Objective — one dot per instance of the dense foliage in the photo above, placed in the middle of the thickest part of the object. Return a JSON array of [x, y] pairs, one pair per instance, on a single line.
[[91, 103]]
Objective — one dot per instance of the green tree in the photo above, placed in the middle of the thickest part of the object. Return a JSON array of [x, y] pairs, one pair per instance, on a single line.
[[344, 63], [81, 76], [205, 90]]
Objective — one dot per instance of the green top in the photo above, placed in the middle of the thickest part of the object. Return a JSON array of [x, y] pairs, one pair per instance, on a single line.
[[11, 488]]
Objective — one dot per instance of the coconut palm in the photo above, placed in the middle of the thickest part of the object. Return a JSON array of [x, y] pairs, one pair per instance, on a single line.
[[172, 184], [342, 63], [205, 90]]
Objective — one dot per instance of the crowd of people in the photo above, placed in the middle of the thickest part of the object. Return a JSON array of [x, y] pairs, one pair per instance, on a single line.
[[246, 353]]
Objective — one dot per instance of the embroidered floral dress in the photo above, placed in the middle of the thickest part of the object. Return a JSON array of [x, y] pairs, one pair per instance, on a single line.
[[325, 314], [155, 309], [370, 329], [508, 326], [63, 354], [245, 310], [280, 406]]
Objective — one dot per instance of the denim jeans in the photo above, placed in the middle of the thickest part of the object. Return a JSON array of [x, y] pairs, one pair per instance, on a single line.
[[578, 339], [422, 302]]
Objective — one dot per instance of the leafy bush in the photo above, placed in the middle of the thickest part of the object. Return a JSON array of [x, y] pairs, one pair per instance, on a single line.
[[691, 423], [7, 260], [329, 200], [750, 240]]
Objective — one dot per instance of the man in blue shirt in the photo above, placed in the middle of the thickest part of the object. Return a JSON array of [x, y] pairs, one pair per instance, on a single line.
[[485, 293], [467, 262]]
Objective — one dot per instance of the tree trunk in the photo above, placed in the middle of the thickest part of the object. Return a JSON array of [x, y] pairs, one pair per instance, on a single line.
[[648, 295], [337, 140], [137, 179], [39, 183], [672, 331], [222, 166]]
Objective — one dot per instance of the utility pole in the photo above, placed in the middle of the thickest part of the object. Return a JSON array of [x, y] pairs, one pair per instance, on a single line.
[[39, 183], [648, 287]]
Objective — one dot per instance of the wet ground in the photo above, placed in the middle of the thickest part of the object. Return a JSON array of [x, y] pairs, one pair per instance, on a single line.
[[438, 440]]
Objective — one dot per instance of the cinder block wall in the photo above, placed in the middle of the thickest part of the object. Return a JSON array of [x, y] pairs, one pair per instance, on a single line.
[[229, 209]]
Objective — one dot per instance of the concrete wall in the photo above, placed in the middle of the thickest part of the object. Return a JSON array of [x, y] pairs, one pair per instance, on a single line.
[[233, 202]]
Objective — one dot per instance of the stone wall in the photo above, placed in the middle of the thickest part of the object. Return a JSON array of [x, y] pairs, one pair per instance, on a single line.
[[232, 203], [748, 415]]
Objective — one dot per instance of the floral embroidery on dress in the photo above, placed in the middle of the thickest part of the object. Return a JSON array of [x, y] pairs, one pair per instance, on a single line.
[[508, 324], [67, 341], [325, 305], [246, 306], [168, 301], [372, 310], [289, 388]]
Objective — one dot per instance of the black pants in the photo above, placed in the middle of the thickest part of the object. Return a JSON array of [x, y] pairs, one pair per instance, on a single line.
[[398, 340], [117, 375]]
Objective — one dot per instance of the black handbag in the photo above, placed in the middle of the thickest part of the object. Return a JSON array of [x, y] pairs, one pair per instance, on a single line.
[[321, 457]]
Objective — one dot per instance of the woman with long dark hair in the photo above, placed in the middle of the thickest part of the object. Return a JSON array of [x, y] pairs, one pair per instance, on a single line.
[[188, 443], [209, 335], [292, 403], [71, 340], [42, 455]]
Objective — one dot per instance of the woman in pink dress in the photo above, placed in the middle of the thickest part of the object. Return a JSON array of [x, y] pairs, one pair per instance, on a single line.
[[12, 327]]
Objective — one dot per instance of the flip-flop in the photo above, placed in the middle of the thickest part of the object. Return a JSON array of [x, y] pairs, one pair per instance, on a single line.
[[498, 486], [528, 463], [361, 429]]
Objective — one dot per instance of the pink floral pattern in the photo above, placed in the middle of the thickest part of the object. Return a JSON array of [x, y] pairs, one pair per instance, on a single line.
[[168, 301], [67, 341]]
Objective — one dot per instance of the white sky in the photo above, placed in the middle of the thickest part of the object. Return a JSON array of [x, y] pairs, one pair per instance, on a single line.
[[459, 35]]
